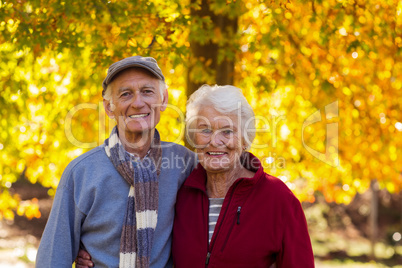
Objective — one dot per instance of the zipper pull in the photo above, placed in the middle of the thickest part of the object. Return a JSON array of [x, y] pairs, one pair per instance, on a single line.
[[238, 215], [208, 256]]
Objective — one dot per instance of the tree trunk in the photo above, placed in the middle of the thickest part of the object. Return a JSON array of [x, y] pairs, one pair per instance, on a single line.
[[373, 219], [207, 53]]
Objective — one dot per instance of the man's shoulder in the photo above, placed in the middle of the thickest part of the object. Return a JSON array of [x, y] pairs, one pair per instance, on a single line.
[[96, 152], [95, 156], [93, 164]]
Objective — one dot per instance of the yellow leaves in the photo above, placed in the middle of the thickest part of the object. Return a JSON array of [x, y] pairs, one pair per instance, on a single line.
[[218, 37], [257, 55], [288, 15], [147, 41], [115, 31], [398, 16], [284, 133], [8, 203], [375, 147], [390, 187], [29, 209], [346, 91], [306, 51], [93, 15], [132, 42], [12, 25], [160, 39], [362, 19], [398, 41]]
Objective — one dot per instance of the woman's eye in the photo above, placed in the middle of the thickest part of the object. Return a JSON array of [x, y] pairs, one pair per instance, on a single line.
[[227, 131], [206, 131]]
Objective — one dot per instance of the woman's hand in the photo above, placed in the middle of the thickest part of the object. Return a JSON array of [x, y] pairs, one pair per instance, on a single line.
[[83, 260]]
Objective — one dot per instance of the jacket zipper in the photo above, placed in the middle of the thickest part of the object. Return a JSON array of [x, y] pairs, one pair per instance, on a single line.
[[220, 225], [208, 245], [207, 260], [237, 221], [238, 215]]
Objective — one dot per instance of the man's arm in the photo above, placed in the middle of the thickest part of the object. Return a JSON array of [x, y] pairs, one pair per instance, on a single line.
[[60, 240]]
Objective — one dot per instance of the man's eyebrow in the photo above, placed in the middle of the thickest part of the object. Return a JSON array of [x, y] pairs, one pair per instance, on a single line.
[[122, 89], [147, 86]]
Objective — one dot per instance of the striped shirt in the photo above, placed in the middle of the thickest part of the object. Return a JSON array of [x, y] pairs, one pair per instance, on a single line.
[[215, 205]]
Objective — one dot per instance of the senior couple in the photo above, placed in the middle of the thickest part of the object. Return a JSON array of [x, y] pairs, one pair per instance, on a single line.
[[120, 206]]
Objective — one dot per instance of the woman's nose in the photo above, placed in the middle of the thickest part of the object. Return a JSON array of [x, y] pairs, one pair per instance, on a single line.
[[217, 139]]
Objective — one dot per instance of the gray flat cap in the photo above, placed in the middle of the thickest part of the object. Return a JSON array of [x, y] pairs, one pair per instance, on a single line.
[[147, 63]]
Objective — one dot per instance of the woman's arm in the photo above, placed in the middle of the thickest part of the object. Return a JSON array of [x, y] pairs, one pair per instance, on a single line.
[[83, 259], [296, 245]]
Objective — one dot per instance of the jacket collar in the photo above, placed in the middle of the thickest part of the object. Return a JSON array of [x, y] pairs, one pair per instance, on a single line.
[[198, 177]]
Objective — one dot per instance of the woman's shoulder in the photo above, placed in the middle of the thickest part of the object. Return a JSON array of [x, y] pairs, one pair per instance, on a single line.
[[276, 186]]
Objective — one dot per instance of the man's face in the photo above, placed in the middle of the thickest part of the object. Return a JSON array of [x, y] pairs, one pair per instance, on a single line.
[[136, 102]]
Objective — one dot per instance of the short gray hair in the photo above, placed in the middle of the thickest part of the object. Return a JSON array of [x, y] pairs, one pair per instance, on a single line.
[[226, 100]]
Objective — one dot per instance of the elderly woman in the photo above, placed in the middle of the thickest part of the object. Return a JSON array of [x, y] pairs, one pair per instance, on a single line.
[[229, 212]]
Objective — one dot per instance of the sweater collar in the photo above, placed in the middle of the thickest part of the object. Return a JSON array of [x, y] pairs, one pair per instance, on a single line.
[[198, 177]]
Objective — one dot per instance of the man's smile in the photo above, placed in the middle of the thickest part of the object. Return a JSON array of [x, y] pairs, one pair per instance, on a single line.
[[139, 115]]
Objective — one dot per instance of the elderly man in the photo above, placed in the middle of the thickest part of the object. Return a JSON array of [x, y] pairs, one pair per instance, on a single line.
[[117, 200]]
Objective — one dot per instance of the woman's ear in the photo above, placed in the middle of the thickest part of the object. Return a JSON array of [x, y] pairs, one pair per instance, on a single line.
[[244, 144]]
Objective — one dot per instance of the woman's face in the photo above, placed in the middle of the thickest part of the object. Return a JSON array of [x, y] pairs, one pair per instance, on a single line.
[[218, 140]]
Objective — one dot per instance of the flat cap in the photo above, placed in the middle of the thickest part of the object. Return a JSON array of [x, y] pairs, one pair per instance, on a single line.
[[147, 63]]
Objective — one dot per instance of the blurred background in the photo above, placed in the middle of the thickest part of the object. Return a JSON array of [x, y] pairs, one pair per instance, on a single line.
[[324, 79]]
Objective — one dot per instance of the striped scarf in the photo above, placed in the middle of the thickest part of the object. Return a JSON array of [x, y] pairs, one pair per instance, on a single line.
[[142, 205]]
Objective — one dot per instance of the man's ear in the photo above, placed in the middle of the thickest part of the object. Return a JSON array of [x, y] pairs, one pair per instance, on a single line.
[[165, 100], [109, 108]]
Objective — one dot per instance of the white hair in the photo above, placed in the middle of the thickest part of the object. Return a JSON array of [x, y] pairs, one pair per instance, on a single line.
[[108, 91], [226, 100]]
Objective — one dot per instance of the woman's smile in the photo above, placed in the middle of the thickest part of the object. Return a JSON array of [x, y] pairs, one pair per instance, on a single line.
[[216, 153]]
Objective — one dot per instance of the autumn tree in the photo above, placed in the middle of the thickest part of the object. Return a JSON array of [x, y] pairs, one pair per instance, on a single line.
[[324, 79]]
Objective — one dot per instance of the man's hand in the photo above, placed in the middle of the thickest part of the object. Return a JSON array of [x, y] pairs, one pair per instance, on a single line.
[[83, 260]]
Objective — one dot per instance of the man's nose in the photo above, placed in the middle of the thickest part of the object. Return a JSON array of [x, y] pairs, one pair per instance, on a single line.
[[137, 101]]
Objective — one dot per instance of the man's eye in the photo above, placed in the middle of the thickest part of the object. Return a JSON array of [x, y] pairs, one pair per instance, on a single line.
[[124, 94], [147, 91]]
